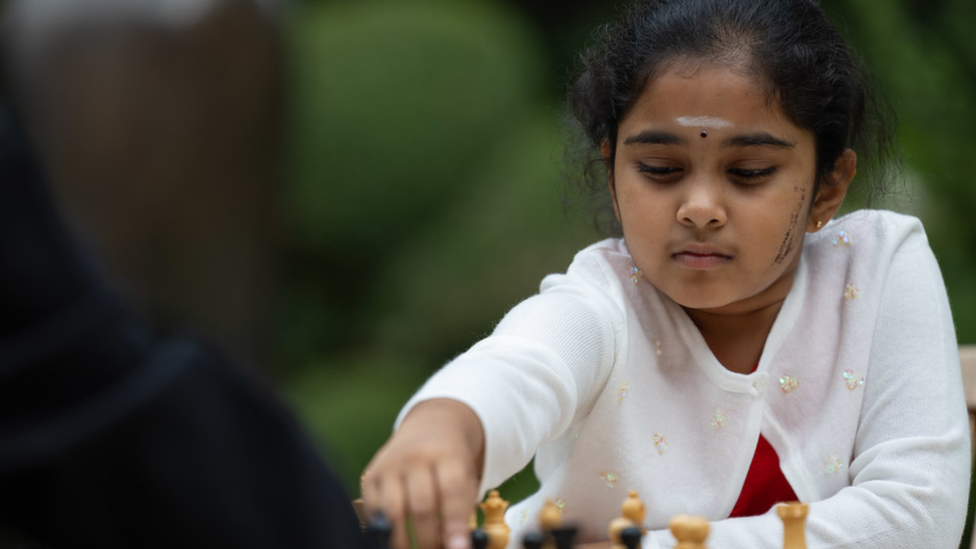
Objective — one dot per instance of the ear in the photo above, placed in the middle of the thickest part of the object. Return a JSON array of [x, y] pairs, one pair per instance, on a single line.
[[608, 163], [832, 191]]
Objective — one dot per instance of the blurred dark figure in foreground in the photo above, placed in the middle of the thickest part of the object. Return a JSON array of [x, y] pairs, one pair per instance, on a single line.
[[158, 123], [113, 436]]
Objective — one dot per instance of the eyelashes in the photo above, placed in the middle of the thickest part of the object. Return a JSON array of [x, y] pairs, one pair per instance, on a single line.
[[667, 174], [657, 170], [660, 174], [752, 174]]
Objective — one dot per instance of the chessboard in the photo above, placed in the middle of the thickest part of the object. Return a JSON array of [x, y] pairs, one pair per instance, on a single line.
[[624, 532]]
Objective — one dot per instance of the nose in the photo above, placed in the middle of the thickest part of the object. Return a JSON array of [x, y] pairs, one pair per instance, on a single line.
[[702, 204]]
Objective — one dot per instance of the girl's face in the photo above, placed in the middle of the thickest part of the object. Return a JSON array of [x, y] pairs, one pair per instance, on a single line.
[[713, 187]]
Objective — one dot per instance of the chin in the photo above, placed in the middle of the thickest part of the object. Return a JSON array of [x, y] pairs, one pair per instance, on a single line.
[[698, 300]]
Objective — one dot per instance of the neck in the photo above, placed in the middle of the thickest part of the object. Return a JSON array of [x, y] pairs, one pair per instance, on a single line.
[[736, 340], [736, 333]]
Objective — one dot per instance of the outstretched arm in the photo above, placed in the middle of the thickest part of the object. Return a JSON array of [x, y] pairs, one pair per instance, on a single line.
[[482, 417]]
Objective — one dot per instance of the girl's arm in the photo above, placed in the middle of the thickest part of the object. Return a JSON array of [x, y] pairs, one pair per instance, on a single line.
[[482, 417]]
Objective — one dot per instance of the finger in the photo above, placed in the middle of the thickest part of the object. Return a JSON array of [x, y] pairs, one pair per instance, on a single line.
[[458, 492], [369, 494], [422, 504], [369, 484], [392, 501]]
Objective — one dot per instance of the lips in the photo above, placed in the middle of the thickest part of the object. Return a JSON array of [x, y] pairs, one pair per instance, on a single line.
[[701, 256]]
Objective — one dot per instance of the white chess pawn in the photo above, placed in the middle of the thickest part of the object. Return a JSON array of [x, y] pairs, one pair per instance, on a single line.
[[690, 532], [494, 507], [794, 516]]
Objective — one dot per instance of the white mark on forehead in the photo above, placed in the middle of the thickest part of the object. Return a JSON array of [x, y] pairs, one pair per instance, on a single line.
[[703, 121]]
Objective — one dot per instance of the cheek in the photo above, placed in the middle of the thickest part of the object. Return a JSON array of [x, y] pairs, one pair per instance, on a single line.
[[794, 225], [627, 189], [633, 205]]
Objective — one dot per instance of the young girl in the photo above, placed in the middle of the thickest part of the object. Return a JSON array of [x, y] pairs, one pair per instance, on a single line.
[[737, 347]]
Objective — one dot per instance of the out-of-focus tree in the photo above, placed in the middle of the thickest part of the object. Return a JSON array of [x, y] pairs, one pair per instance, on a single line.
[[424, 199], [411, 121]]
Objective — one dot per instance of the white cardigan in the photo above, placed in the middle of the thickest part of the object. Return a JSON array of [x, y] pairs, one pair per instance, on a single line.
[[611, 387]]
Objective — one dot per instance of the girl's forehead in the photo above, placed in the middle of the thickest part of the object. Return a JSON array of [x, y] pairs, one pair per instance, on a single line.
[[702, 121], [712, 95]]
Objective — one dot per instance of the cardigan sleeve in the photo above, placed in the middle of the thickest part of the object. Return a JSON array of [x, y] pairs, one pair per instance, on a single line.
[[909, 476], [534, 376]]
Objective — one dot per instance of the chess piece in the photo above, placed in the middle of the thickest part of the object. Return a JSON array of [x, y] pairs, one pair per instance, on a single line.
[[550, 517], [616, 528], [479, 539], [494, 508], [533, 540], [689, 531], [378, 531], [632, 513], [794, 516], [633, 508], [631, 537], [563, 536]]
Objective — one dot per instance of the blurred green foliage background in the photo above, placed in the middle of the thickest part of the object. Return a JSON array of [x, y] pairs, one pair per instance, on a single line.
[[427, 191]]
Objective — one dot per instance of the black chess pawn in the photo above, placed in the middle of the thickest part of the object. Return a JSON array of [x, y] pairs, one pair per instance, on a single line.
[[533, 540], [631, 537], [564, 536], [378, 531], [479, 539]]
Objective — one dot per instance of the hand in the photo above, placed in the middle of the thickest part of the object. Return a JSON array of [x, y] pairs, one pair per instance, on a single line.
[[428, 472]]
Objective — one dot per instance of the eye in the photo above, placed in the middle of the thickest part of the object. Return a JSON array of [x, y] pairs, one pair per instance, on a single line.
[[752, 176], [660, 174]]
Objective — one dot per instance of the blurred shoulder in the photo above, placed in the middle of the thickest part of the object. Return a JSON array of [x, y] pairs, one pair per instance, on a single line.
[[867, 233], [604, 263]]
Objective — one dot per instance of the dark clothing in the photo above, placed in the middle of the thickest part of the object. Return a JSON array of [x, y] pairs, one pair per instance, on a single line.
[[113, 436]]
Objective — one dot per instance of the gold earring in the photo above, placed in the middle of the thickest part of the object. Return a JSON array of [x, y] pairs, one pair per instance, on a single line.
[[819, 224]]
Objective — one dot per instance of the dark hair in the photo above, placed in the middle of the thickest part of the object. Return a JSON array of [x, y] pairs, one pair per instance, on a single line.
[[819, 83]]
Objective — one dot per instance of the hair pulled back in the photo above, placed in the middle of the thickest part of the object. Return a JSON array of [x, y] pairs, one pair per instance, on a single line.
[[789, 45]]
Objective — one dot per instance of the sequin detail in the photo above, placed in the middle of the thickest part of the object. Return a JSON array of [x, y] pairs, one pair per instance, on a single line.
[[832, 465], [561, 505], [788, 383], [610, 478], [851, 292], [523, 516], [852, 380], [575, 436], [636, 275], [843, 239], [718, 419], [657, 347], [660, 442], [623, 390]]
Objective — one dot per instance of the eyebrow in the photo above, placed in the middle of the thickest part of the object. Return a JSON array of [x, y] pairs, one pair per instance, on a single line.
[[758, 139], [649, 137]]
